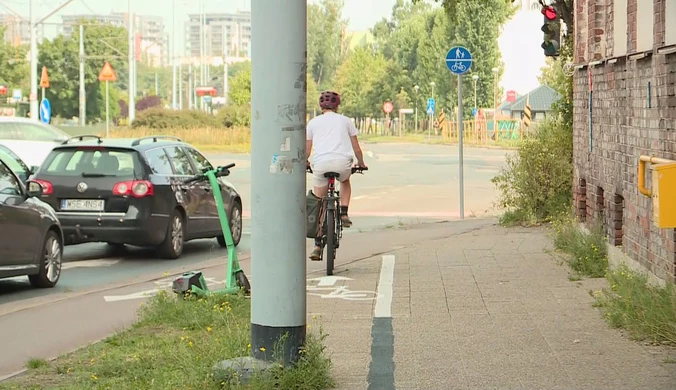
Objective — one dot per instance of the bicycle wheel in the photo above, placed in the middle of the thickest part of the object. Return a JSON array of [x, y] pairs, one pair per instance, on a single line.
[[330, 240]]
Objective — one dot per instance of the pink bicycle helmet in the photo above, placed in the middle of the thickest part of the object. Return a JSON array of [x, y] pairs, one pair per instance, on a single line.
[[329, 100]]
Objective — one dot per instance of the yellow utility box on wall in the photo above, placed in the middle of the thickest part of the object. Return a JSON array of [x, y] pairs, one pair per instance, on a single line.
[[664, 195]]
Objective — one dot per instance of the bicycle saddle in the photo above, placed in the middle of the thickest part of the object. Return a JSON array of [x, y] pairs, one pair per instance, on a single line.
[[331, 174]]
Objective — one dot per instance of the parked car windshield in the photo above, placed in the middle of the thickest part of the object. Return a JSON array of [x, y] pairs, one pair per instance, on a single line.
[[14, 162], [92, 162], [9, 186], [25, 131]]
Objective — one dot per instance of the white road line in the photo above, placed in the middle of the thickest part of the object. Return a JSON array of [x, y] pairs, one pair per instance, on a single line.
[[383, 307], [89, 264]]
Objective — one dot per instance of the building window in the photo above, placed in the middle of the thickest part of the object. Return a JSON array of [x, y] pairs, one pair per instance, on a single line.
[[670, 23], [619, 28], [644, 25]]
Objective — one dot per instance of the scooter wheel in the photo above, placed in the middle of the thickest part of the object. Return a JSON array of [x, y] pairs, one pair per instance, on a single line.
[[243, 282]]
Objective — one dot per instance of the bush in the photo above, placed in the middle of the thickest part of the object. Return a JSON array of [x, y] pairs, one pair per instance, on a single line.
[[537, 183], [160, 118], [235, 116], [148, 102], [588, 251]]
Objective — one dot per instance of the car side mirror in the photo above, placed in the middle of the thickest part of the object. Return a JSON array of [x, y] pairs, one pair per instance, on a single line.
[[34, 189], [34, 169]]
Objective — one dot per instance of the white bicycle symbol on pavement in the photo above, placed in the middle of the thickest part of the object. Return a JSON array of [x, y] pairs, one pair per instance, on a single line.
[[327, 285], [342, 292]]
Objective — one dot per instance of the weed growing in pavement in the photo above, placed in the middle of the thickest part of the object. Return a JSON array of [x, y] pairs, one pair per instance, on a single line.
[[646, 312], [588, 252], [175, 344]]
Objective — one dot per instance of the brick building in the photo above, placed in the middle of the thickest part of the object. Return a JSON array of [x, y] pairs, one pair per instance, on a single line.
[[625, 52]]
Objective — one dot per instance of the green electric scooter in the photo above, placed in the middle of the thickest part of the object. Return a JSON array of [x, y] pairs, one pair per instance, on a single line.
[[193, 282]]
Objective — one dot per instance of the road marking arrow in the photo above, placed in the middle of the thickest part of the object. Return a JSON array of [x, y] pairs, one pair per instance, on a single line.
[[327, 281]]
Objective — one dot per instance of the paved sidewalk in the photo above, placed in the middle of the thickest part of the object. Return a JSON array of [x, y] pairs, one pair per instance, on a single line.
[[489, 309]]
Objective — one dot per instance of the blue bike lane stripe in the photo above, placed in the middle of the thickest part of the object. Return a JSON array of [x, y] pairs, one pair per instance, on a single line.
[[381, 370]]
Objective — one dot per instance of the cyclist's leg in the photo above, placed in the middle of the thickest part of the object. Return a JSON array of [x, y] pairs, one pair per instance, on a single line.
[[320, 187], [345, 191]]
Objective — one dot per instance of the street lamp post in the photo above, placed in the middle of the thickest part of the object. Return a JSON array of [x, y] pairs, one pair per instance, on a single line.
[[431, 117], [495, 103], [476, 133], [475, 78], [416, 88]]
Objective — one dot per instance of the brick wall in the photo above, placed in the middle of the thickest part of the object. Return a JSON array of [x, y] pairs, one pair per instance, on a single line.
[[624, 127]]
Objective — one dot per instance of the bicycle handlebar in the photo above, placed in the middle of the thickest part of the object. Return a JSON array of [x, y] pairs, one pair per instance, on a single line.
[[219, 172], [360, 170]]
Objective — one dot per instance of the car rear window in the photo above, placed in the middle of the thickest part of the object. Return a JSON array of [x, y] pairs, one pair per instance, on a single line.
[[96, 161]]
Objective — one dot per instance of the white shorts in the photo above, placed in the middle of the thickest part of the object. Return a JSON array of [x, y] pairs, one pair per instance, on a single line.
[[342, 166]]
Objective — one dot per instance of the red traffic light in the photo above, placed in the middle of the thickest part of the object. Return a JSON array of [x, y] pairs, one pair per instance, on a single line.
[[549, 12]]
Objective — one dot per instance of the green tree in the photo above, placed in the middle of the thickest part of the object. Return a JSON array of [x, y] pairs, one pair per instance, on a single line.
[[240, 87], [14, 72], [61, 57], [356, 80], [326, 44]]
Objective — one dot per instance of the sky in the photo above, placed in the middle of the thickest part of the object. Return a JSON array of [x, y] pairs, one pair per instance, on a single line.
[[519, 43]]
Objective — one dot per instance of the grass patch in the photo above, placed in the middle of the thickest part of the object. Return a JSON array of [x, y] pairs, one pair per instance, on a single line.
[[646, 312], [434, 140], [232, 140], [587, 250], [174, 345], [208, 139], [34, 363]]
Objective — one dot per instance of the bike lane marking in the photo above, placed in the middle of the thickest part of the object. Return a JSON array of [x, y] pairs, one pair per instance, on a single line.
[[381, 369]]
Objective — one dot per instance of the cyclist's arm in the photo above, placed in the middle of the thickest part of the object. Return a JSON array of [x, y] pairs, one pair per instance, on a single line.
[[355, 144], [308, 148], [308, 141]]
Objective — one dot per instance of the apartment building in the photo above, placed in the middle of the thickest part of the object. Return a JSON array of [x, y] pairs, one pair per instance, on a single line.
[[151, 40], [17, 30], [225, 35]]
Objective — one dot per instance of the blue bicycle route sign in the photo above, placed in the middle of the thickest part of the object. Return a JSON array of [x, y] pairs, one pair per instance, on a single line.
[[459, 60], [430, 106]]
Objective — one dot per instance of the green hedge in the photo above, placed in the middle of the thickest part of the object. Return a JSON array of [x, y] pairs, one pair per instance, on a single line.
[[161, 118]]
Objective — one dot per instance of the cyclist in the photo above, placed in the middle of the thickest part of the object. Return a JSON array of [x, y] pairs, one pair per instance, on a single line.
[[334, 138]]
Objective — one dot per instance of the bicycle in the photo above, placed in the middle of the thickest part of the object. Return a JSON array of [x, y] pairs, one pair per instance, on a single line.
[[330, 203]]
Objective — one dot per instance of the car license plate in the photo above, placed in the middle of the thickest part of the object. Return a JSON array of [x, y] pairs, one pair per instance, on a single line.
[[82, 205]]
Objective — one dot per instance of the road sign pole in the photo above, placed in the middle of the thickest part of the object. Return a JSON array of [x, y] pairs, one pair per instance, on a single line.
[[461, 135], [107, 112], [82, 97], [278, 242], [132, 60], [459, 61], [33, 97]]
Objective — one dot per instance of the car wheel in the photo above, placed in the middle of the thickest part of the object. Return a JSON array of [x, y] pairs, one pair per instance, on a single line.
[[50, 262], [174, 240], [235, 225]]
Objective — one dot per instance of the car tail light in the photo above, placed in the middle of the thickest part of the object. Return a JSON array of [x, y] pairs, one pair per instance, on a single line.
[[47, 188], [135, 188]]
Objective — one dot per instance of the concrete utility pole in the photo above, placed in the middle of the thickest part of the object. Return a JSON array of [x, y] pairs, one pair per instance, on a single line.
[[83, 94], [132, 67], [278, 299], [173, 55], [33, 97], [180, 86]]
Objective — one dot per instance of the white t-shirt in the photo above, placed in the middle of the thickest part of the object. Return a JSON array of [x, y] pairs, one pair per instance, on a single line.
[[330, 135]]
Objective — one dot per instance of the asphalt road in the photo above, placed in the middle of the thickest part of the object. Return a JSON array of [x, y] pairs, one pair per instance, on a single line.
[[406, 184]]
